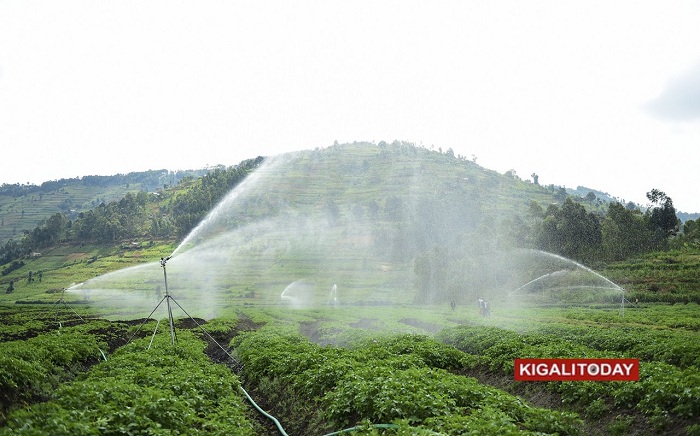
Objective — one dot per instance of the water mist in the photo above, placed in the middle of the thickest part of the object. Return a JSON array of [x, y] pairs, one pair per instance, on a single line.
[[380, 226]]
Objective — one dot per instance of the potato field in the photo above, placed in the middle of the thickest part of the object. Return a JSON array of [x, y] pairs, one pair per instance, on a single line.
[[364, 370]]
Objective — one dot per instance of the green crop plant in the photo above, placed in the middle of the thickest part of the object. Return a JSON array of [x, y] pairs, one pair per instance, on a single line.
[[401, 379], [162, 390], [30, 370], [664, 392]]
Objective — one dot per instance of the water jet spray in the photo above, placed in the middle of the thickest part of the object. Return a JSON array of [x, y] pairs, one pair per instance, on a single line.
[[561, 274]]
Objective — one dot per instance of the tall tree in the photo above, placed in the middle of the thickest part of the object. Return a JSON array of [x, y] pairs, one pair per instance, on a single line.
[[691, 233], [571, 231], [625, 232], [662, 214]]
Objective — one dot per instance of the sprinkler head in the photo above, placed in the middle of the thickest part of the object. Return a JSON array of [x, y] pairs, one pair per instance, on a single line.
[[164, 260]]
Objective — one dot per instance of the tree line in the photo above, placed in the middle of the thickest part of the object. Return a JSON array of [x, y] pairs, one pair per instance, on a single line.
[[150, 180], [620, 233], [470, 260], [166, 215]]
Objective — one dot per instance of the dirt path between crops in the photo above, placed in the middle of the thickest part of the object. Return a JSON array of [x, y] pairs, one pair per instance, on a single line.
[[218, 351], [627, 422]]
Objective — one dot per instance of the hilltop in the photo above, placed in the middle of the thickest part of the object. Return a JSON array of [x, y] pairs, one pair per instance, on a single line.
[[23, 207], [389, 221]]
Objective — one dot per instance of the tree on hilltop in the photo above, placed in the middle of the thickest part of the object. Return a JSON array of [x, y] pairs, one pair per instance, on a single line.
[[662, 214]]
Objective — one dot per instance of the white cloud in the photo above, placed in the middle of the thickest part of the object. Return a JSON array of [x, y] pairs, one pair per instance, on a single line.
[[680, 99]]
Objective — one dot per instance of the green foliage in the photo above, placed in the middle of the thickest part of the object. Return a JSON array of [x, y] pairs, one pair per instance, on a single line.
[[70, 197], [664, 391], [690, 236], [662, 216], [432, 354], [676, 348], [162, 390], [571, 231], [131, 216], [625, 233], [670, 276], [189, 208], [377, 378], [597, 409], [620, 425], [382, 393], [399, 379], [16, 264], [438, 215], [220, 328], [31, 369], [410, 381], [113, 222]]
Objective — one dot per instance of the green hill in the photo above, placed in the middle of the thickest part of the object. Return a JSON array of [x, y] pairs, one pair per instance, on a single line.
[[384, 224]]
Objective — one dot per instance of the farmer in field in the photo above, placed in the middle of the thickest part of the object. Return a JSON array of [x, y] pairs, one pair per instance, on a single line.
[[484, 309]]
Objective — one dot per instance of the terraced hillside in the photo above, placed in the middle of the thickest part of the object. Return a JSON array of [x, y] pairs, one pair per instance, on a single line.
[[23, 207]]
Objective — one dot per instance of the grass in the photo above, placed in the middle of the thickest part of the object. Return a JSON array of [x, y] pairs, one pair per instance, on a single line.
[[63, 266]]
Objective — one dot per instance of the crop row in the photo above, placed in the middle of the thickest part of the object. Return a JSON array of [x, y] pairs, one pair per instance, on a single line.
[[677, 316], [664, 393], [404, 380], [28, 322], [143, 388], [31, 369], [678, 348]]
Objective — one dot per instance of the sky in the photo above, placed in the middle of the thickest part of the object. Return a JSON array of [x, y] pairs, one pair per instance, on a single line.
[[594, 93]]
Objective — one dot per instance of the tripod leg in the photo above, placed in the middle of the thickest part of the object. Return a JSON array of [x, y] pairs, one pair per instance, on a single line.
[[147, 318], [154, 335]]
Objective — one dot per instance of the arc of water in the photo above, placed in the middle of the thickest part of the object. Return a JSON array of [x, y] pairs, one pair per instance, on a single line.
[[579, 265], [614, 285], [224, 205], [543, 276]]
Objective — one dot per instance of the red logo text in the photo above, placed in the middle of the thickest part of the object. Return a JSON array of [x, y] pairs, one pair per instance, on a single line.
[[577, 369]]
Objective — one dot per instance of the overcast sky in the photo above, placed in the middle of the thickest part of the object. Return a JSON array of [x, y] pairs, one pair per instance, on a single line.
[[604, 94]]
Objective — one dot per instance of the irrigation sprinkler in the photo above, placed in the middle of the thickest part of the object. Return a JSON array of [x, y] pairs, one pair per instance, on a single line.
[[622, 303], [167, 298]]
